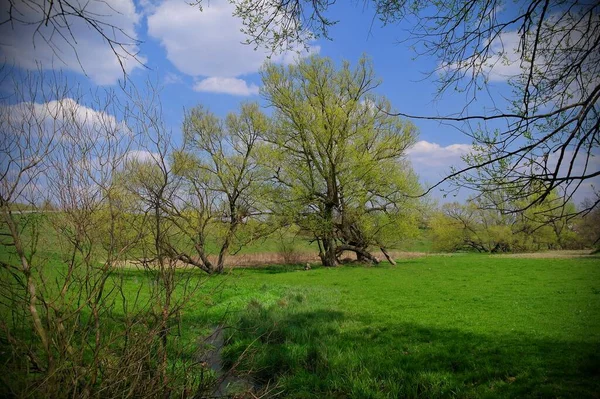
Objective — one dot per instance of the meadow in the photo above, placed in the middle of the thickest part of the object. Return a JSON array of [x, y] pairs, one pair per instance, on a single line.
[[458, 325], [436, 326]]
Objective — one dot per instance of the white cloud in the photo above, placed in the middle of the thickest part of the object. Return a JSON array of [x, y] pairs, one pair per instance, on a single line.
[[141, 156], [64, 118], [432, 162], [172, 78], [57, 140], [432, 155], [233, 86], [505, 62], [509, 53], [502, 63], [209, 43], [85, 51]]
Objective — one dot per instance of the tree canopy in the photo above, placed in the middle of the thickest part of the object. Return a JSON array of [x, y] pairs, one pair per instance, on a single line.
[[550, 128], [337, 157]]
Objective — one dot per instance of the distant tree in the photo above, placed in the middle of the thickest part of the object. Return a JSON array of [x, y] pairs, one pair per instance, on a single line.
[[484, 226], [551, 129], [338, 158], [587, 227]]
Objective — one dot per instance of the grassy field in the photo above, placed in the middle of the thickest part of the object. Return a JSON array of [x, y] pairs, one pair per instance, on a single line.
[[459, 326], [465, 325]]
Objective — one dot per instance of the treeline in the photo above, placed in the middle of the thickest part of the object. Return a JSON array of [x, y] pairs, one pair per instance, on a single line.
[[330, 161], [481, 225]]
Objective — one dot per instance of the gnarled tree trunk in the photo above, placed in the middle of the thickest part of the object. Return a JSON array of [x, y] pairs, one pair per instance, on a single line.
[[361, 253]]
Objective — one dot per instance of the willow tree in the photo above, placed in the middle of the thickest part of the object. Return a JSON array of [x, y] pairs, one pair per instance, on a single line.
[[337, 157]]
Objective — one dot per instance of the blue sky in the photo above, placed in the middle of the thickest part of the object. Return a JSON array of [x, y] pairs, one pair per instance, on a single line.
[[198, 58]]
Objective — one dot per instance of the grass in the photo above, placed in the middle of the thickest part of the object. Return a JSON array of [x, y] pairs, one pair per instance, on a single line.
[[461, 326], [438, 326]]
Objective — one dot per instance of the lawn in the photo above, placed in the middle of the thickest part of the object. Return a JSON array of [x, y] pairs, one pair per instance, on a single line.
[[445, 326]]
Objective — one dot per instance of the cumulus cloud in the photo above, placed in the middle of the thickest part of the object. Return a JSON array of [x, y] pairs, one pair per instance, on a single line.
[[432, 155], [432, 162], [234, 86], [46, 143], [71, 43], [209, 44], [59, 118]]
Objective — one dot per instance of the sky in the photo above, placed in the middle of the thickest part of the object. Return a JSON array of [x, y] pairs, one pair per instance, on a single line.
[[198, 57]]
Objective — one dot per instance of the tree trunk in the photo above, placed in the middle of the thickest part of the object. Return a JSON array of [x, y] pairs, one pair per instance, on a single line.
[[207, 263], [361, 258], [387, 256], [222, 253], [362, 252], [328, 255], [233, 223]]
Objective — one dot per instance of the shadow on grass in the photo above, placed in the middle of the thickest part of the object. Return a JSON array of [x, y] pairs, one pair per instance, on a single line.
[[272, 269], [277, 269], [324, 353]]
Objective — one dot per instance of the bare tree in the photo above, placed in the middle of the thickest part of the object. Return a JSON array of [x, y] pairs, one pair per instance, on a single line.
[[220, 177], [74, 327]]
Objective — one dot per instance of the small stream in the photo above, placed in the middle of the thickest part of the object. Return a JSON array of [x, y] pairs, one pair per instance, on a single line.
[[229, 384]]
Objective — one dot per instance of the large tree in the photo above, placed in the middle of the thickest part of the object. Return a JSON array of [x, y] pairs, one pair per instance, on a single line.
[[549, 131], [337, 156]]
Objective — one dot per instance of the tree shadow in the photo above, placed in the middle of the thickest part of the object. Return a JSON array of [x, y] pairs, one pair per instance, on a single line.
[[272, 269], [324, 353]]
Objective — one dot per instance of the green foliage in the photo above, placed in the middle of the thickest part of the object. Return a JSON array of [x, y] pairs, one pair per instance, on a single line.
[[448, 234], [549, 124], [484, 226], [587, 230], [337, 156]]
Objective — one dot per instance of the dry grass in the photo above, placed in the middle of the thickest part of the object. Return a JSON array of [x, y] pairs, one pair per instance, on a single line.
[[274, 258], [550, 254]]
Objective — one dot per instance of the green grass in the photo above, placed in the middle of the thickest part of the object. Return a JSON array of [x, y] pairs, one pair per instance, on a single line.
[[439, 326], [461, 326]]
